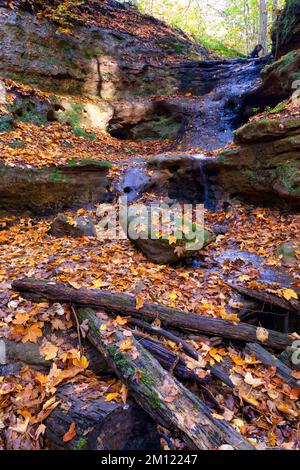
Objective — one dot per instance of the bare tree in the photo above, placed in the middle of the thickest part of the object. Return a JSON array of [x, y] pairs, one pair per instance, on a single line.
[[263, 30]]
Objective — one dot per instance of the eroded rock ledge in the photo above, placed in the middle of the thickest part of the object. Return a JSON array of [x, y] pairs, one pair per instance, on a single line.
[[50, 188]]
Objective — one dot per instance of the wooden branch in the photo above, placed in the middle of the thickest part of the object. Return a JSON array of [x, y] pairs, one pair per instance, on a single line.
[[161, 395], [126, 304], [168, 359], [166, 334], [267, 297], [282, 370]]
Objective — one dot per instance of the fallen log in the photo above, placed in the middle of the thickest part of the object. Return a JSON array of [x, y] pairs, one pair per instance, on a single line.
[[166, 334], [13, 355], [99, 424], [282, 370], [267, 298], [12, 352], [167, 359], [126, 304], [160, 394]]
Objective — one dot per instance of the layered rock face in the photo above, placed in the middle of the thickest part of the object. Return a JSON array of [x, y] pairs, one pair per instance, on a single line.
[[286, 33], [265, 167], [281, 78], [95, 61], [47, 189]]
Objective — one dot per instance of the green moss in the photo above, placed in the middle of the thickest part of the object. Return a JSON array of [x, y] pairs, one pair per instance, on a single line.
[[170, 43], [89, 161], [154, 400], [287, 173], [72, 117], [81, 444], [147, 380], [56, 176], [280, 107], [79, 132], [6, 123], [93, 52], [17, 144]]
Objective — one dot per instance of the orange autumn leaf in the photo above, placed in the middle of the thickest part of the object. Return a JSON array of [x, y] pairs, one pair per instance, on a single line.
[[69, 436], [49, 350], [32, 333]]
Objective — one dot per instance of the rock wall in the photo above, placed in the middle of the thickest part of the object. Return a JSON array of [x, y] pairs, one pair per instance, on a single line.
[[48, 189], [94, 61], [265, 167], [286, 32]]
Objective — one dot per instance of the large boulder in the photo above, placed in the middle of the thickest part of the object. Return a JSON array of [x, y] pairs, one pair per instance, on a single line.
[[82, 113], [281, 78], [286, 31], [73, 227], [157, 233]]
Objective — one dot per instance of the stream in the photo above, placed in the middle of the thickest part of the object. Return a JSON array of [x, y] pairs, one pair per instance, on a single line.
[[217, 108]]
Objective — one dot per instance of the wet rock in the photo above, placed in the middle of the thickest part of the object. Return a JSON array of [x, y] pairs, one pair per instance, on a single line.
[[164, 243], [180, 177], [75, 227], [133, 184], [286, 32], [47, 189]]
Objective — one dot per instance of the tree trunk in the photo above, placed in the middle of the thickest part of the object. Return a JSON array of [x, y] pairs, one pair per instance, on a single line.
[[161, 395], [267, 298], [126, 304], [99, 424], [263, 30]]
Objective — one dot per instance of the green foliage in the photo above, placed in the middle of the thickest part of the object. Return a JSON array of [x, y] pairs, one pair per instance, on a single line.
[[6, 123], [220, 47], [169, 43], [73, 118], [230, 28], [16, 144]]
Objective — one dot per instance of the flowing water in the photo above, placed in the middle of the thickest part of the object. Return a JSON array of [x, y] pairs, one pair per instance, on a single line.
[[220, 88]]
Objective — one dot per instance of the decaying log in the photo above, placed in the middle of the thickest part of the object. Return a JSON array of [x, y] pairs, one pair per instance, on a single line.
[[15, 354], [282, 370], [12, 352], [158, 392], [126, 304], [166, 334], [169, 360], [267, 298], [99, 424]]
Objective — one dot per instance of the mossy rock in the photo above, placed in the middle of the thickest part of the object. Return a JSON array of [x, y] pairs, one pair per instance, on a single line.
[[288, 252], [162, 235]]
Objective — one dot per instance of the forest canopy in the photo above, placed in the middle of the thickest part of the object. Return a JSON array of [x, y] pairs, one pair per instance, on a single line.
[[219, 24]]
